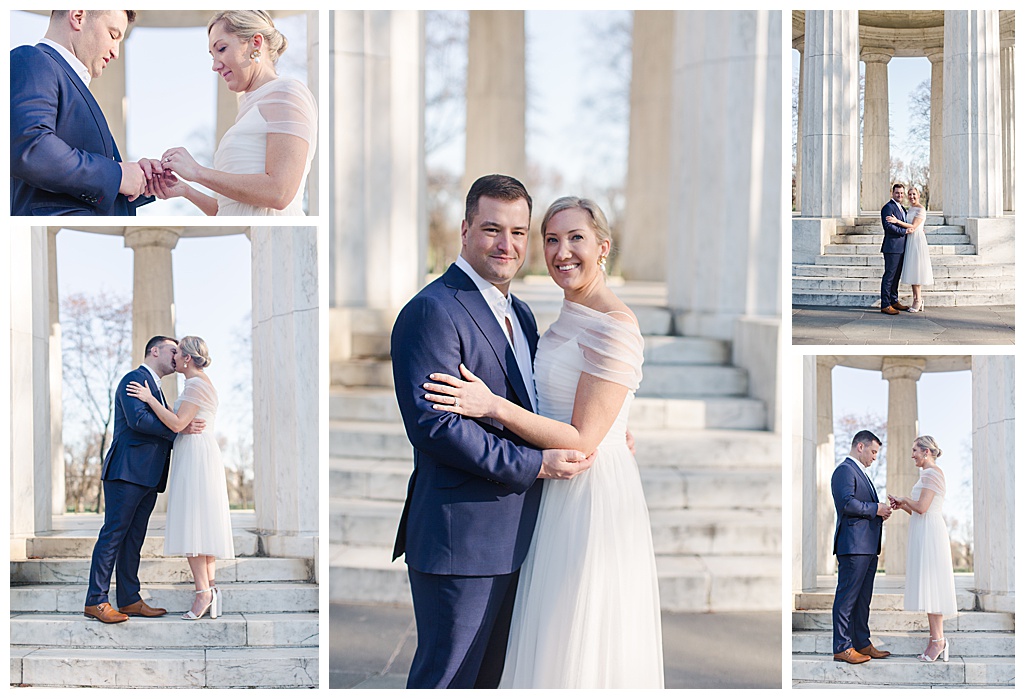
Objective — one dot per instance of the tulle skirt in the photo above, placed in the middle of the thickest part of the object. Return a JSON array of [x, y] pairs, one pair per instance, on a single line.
[[198, 520], [917, 265], [587, 611], [930, 571]]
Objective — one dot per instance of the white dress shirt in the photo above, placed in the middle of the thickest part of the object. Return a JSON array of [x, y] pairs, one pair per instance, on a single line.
[[156, 390], [501, 306], [72, 59]]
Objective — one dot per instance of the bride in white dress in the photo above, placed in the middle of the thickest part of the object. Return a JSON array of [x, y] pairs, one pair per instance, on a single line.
[[262, 162], [198, 521], [917, 268], [929, 584], [587, 611]]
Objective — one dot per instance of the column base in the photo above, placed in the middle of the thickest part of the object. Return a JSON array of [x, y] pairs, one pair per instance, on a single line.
[[289, 545], [993, 238], [347, 324], [756, 348], [996, 601], [811, 236]]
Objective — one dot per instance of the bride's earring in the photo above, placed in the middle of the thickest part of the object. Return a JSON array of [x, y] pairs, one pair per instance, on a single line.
[[255, 55], [601, 262]]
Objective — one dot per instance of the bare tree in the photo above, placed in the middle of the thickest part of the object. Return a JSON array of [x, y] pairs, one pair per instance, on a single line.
[[447, 34], [844, 429]]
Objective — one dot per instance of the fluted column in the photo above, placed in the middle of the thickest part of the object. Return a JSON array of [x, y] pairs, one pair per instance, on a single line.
[[31, 465], [902, 374], [641, 254], [993, 468], [935, 56], [875, 163], [829, 164], [56, 371], [973, 174], [110, 91], [313, 82], [286, 388], [825, 456], [799, 45], [1007, 117], [804, 493]]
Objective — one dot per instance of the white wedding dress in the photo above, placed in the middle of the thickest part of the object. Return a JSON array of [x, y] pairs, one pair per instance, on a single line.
[[917, 266], [283, 106], [198, 522], [930, 572], [587, 609]]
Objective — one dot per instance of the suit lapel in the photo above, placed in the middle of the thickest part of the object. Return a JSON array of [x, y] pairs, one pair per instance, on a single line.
[[94, 107], [528, 324], [864, 476]]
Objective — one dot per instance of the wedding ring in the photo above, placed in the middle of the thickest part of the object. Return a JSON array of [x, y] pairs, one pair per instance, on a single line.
[[167, 159], [456, 402]]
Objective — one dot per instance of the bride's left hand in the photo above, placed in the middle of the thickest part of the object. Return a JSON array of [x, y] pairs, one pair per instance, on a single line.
[[471, 398], [181, 161]]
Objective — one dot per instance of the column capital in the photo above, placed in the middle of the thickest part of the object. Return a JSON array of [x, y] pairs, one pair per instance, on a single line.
[[934, 54], [798, 44], [903, 368], [152, 236], [876, 54], [825, 361]]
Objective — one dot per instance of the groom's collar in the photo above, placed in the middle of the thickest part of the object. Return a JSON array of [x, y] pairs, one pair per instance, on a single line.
[[156, 378], [71, 59]]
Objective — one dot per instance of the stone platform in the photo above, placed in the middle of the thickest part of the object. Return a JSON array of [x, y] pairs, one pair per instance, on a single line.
[[951, 325]]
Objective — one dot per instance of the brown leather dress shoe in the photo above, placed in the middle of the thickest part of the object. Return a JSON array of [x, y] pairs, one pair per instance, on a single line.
[[900, 306], [140, 608], [851, 656], [873, 652], [105, 613], [890, 311]]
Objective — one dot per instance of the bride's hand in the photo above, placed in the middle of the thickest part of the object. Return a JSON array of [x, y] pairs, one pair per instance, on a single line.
[[471, 398], [892, 219], [181, 161], [140, 391], [166, 186]]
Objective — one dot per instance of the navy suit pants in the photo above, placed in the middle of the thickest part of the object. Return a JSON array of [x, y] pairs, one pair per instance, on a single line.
[[893, 264], [462, 627], [128, 507], [855, 576]]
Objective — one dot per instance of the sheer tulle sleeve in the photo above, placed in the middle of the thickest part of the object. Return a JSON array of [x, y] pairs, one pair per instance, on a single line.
[[201, 393], [289, 108], [934, 481], [613, 350]]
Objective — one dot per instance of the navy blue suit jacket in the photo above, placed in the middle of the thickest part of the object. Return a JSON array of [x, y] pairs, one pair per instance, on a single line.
[[473, 497], [63, 158], [859, 529], [894, 237], [140, 452]]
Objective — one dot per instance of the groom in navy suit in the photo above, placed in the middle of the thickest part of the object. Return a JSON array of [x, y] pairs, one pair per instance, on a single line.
[[475, 490], [134, 470], [63, 157], [894, 240], [856, 543]]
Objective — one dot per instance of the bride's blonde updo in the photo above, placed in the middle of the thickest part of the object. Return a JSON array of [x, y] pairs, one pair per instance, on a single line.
[[246, 24], [195, 347], [599, 224], [929, 444]]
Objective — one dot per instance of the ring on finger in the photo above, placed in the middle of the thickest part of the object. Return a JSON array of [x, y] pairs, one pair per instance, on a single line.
[[455, 402]]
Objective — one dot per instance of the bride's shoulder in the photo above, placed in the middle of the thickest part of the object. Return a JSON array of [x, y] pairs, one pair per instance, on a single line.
[[612, 308]]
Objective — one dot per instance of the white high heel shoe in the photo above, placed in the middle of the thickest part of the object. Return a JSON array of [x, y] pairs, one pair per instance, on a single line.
[[215, 605], [189, 616], [945, 652], [919, 309]]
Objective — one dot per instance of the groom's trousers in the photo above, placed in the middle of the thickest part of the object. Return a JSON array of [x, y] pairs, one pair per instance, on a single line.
[[855, 577], [462, 629], [893, 264], [125, 519]]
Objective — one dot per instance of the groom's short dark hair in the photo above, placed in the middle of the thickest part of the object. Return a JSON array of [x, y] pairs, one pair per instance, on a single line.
[[865, 437], [895, 187], [501, 187], [156, 340], [130, 13]]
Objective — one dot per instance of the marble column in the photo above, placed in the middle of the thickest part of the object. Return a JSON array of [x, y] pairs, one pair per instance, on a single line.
[[725, 171], [902, 374], [935, 56], [378, 185], [110, 92], [972, 170], [226, 110], [313, 82], [31, 466], [825, 457], [56, 367], [829, 164], [799, 45], [993, 480], [286, 383], [875, 162], [1007, 117], [804, 490], [643, 239]]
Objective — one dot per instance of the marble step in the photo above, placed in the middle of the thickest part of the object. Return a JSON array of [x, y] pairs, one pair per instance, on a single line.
[[370, 404], [362, 372], [905, 672], [655, 448], [652, 320], [269, 667], [859, 299], [935, 249], [238, 597], [875, 259], [707, 531], [686, 583], [931, 235], [885, 621], [972, 644], [371, 344], [165, 570], [680, 381], [875, 271], [875, 220], [664, 488], [258, 629], [881, 601], [246, 543], [867, 284]]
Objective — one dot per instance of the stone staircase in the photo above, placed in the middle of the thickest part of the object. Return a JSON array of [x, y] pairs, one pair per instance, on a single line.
[[266, 637], [981, 643], [850, 271], [710, 471]]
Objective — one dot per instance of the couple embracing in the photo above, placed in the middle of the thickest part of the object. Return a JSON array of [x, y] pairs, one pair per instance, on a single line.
[[857, 543], [525, 530], [905, 251]]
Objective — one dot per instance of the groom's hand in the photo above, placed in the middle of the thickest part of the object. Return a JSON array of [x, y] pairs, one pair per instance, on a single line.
[[195, 427], [883, 510], [563, 464], [133, 180]]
